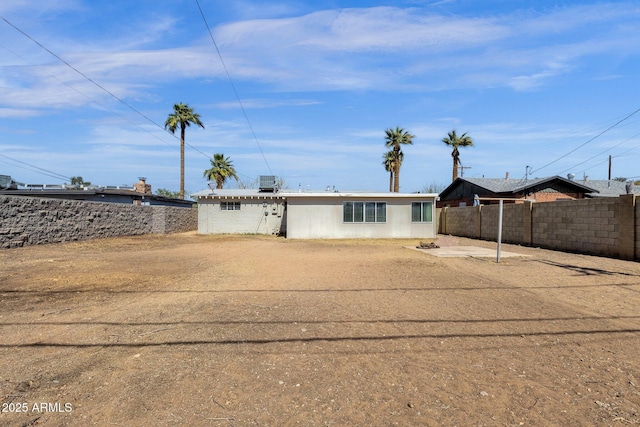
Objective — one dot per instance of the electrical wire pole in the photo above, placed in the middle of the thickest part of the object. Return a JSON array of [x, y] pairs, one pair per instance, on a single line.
[[500, 209]]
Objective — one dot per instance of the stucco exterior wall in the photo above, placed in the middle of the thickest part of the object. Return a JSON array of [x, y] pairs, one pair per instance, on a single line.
[[252, 218], [322, 218]]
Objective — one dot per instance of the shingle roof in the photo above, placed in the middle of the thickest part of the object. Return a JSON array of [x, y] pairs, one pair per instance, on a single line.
[[510, 186], [591, 188], [607, 188]]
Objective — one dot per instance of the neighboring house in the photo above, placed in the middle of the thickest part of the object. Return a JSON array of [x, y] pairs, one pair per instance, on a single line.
[[317, 215], [463, 190], [610, 188], [139, 194]]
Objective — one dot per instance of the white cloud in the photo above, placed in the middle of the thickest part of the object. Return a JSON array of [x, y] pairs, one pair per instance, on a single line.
[[40, 7]]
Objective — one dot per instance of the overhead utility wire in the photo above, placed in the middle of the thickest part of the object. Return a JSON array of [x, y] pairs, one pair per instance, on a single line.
[[48, 172], [233, 86], [93, 100], [96, 83], [590, 140], [601, 153]]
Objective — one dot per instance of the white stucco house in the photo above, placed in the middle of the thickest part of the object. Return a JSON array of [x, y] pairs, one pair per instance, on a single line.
[[240, 212], [317, 215], [328, 215]]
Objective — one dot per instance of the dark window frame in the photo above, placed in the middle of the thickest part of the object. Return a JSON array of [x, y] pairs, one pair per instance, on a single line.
[[365, 212]]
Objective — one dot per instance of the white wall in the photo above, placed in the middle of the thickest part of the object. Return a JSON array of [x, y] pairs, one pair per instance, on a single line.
[[321, 218], [252, 218]]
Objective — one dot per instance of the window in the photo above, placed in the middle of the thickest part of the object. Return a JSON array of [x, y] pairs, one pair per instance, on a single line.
[[229, 206], [364, 212], [422, 212]]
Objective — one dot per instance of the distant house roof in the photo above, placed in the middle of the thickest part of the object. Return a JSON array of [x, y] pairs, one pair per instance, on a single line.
[[508, 187], [99, 194], [610, 188]]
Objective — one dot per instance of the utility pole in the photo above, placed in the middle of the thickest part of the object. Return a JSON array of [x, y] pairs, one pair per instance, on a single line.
[[462, 168], [609, 182]]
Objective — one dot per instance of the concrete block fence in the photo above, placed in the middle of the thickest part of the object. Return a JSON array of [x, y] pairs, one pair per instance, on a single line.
[[606, 226], [33, 220]]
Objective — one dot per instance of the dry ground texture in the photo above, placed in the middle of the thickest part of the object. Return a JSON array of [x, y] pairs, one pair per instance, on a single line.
[[261, 331]]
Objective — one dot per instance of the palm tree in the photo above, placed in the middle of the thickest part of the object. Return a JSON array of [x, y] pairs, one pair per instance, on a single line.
[[395, 138], [389, 162], [455, 141], [221, 170], [182, 116]]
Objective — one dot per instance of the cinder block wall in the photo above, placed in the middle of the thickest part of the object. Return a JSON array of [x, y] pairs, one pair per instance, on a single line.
[[588, 226], [31, 220], [463, 221], [636, 230], [512, 222], [607, 226]]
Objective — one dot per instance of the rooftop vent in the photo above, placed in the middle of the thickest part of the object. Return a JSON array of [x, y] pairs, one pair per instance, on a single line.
[[571, 176], [268, 183]]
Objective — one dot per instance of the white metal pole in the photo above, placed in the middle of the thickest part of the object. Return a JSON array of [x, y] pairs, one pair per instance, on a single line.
[[499, 230]]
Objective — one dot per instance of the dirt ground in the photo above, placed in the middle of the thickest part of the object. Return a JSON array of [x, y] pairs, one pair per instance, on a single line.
[[262, 331]]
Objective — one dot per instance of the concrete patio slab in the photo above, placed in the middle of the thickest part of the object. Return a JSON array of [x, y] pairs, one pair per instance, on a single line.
[[465, 251]]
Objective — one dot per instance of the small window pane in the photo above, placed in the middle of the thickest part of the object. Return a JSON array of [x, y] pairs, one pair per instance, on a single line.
[[415, 212], [370, 212], [358, 211], [347, 211], [381, 212], [427, 212], [223, 206]]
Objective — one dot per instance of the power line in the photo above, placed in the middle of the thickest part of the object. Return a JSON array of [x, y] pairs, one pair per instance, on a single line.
[[44, 171], [97, 84], [93, 100], [601, 153], [233, 87], [588, 141]]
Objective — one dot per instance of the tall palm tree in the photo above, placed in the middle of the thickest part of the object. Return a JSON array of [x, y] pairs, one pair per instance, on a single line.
[[221, 170], [395, 138], [455, 141], [182, 116], [389, 162]]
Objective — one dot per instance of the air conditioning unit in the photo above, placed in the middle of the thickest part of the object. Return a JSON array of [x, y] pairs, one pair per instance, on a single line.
[[268, 183]]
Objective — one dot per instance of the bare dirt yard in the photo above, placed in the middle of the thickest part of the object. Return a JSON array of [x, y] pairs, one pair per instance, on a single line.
[[261, 331]]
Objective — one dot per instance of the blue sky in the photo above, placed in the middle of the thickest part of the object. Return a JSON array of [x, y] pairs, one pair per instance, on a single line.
[[534, 83]]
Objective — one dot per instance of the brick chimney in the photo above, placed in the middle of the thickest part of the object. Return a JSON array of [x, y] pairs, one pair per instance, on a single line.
[[142, 186]]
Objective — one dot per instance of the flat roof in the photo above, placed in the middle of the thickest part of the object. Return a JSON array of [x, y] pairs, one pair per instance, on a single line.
[[376, 195], [254, 193]]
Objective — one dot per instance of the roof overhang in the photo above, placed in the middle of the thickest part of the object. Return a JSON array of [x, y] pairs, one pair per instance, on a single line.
[[344, 195]]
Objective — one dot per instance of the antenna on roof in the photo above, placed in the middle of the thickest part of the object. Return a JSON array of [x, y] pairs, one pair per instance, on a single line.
[[527, 172]]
